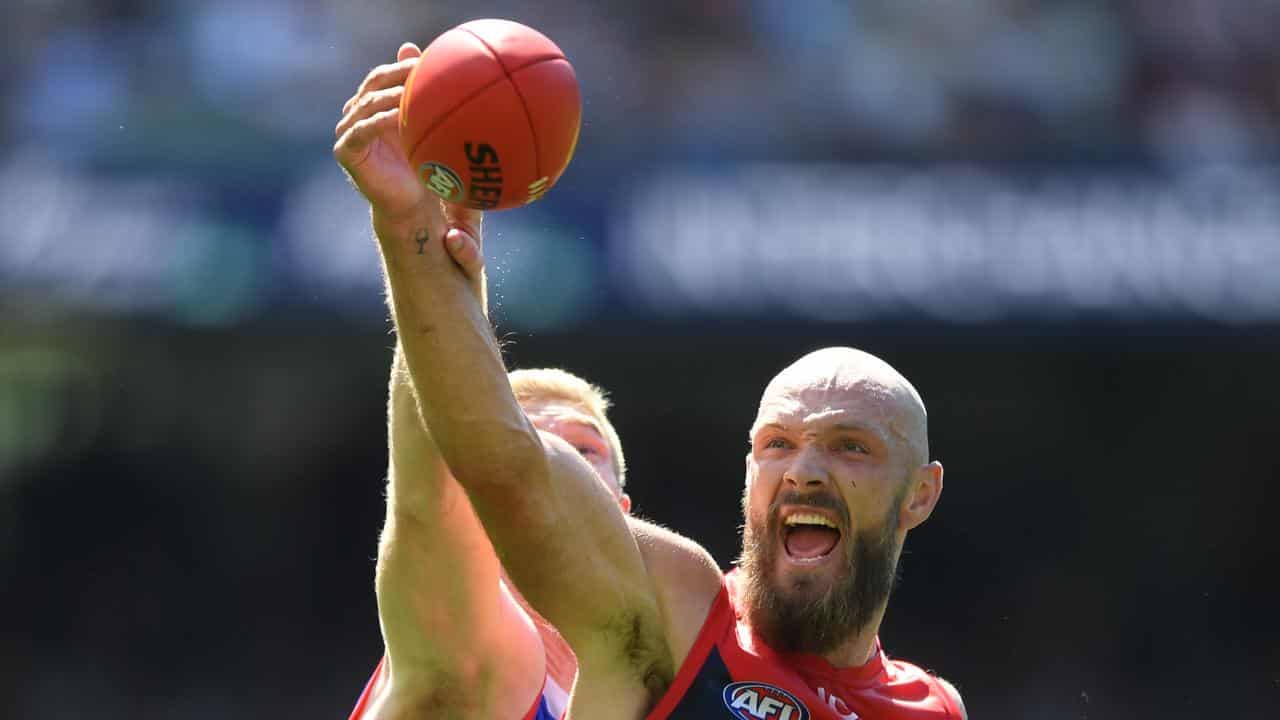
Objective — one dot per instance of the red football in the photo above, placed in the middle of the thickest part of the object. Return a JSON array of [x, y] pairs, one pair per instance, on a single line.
[[490, 115]]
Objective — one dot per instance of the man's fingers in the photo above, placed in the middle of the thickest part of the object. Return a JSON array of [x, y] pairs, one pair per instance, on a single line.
[[369, 105], [408, 50], [382, 77], [465, 251], [352, 146], [385, 76], [463, 217]]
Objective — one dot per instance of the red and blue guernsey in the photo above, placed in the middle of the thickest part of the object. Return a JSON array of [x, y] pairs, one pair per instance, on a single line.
[[732, 674]]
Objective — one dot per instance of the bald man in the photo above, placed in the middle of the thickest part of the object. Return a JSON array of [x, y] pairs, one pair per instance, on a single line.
[[837, 475]]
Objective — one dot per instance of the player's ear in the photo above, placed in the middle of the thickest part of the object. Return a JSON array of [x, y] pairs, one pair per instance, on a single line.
[[751, 469], [922, 495], [624, 502]]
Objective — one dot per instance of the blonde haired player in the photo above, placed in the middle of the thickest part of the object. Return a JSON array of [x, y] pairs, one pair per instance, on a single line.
[[459, 638]]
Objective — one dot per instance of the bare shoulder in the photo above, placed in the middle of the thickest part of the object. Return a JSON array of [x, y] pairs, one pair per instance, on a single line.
[[673, 558], [955, 696], [686, 579]]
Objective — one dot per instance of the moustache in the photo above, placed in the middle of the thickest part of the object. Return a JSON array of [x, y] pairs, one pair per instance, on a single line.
[[824, 501]]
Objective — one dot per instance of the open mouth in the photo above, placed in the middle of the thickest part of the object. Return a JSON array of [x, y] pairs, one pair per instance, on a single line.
[[809, 537]]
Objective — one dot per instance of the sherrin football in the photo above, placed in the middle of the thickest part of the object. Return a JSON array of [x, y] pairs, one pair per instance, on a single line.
[[490, 115]]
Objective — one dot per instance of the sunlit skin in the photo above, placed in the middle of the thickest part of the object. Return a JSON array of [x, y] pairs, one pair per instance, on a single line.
[[849, 430], [839, 426], [581, 431]]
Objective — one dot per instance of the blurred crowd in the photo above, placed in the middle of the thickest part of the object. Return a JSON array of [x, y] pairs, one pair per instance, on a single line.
[[213, 84], [191, 139]]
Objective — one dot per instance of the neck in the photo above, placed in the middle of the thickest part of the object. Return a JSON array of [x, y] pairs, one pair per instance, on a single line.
[[860, 648]]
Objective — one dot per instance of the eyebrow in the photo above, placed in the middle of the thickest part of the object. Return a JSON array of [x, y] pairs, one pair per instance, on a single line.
[[844, 426], [854, 427], [588, 425], [841, 426]]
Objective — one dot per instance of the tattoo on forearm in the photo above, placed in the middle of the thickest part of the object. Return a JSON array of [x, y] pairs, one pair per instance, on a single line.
[[421, 238]]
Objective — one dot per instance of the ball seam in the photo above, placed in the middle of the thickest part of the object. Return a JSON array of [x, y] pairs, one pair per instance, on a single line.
[[537, 156], [502, 64], [461, 104]]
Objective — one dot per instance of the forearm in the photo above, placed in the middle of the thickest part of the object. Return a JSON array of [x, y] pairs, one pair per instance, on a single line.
[[453, 359], [437, 575], [415, 472], [543, 507]]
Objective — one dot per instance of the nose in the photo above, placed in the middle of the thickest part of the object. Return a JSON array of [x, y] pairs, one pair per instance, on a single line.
[[807, 471]]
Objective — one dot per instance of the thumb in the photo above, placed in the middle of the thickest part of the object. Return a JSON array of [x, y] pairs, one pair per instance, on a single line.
[[465, 251], [464, 218], [406, 51]]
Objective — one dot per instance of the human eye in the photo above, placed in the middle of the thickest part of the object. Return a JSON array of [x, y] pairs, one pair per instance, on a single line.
[[777, 442], [587, 450], [851, 445]]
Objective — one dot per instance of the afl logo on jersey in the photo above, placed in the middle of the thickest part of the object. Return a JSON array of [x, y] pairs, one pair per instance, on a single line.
[[758, 701]]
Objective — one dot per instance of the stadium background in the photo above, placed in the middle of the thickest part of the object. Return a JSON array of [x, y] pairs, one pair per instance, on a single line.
[[1061, 220]]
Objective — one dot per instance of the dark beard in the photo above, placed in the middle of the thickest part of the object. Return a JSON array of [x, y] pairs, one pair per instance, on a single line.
[[801, 618]]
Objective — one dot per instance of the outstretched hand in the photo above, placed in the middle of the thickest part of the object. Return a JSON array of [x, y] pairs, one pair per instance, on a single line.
[[368, 143], [369, 149]]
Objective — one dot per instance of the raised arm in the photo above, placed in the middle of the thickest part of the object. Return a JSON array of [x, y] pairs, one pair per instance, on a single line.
[[545, 510], [454, 636], [447, 620], [556, 528]]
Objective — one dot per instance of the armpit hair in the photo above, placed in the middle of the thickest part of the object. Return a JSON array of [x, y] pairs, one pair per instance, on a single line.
[[644, 651]]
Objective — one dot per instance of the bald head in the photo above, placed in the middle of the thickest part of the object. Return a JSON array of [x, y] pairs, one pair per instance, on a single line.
[[838, 380]]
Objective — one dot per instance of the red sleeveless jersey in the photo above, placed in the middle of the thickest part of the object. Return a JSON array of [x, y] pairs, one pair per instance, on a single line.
[[731, 673], [550, 704]]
